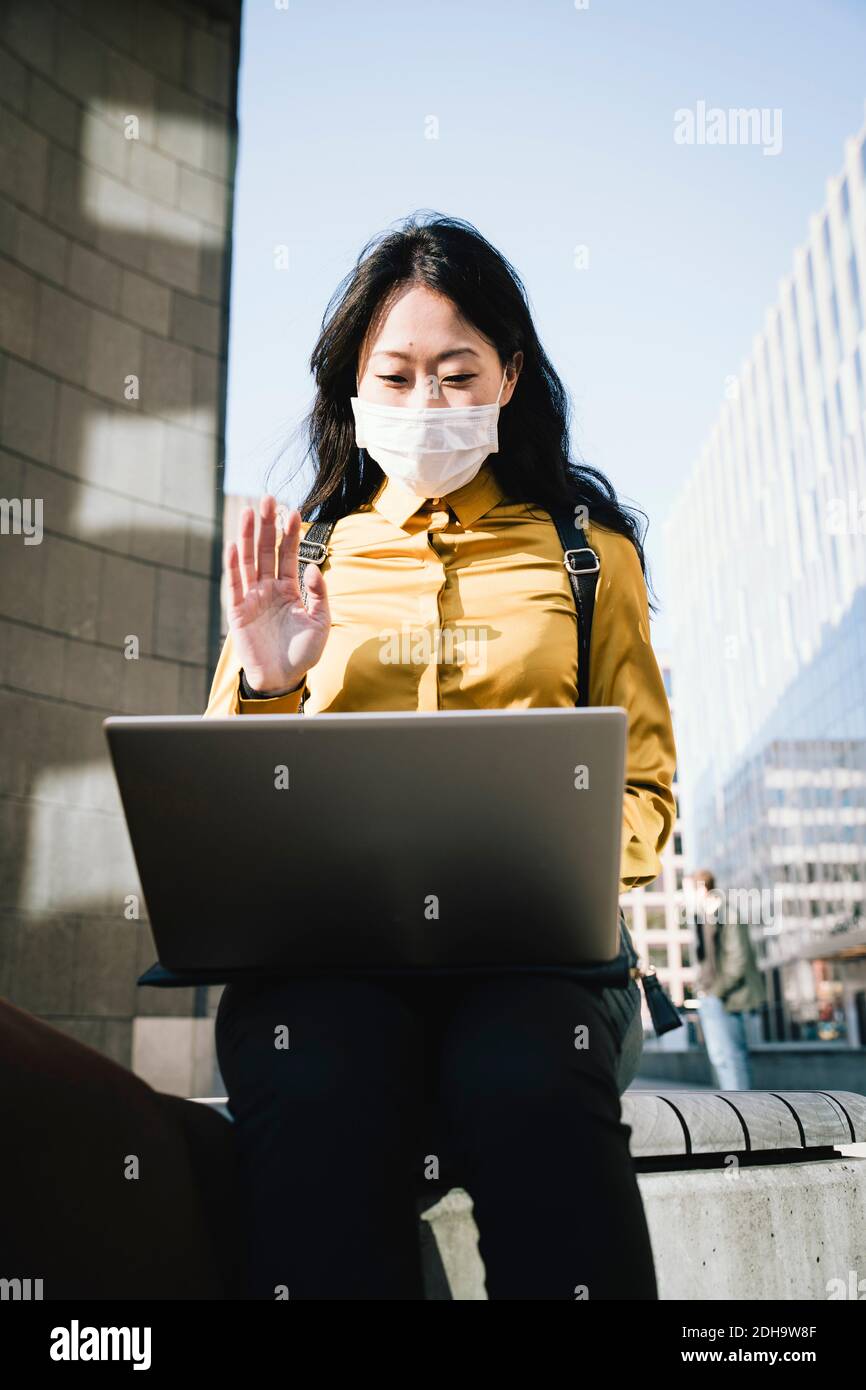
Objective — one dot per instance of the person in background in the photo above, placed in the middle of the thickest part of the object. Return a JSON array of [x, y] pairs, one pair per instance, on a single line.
[[729, 985]]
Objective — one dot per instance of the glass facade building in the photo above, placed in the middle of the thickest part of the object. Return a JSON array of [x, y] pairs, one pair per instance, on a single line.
[[767, 547]]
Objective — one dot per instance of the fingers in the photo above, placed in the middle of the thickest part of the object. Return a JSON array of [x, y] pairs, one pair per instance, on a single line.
[[317, 594], [260, 556], [258, 553], [246, 546], [232, 567], [266, 550], [287, 559]]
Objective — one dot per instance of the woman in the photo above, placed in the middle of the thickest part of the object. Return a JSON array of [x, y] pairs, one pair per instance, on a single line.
[[442, 521]]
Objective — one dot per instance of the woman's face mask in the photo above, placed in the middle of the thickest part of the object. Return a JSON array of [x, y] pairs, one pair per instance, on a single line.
[[432, 451]]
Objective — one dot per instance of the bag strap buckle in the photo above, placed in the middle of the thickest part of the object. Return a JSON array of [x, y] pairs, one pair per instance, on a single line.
[[320, 552], [573, 568]]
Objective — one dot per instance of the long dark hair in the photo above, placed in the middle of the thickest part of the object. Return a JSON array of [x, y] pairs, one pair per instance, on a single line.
[[450, 256]]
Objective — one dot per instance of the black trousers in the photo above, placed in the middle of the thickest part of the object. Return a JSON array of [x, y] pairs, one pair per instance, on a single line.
[[348, 1094]]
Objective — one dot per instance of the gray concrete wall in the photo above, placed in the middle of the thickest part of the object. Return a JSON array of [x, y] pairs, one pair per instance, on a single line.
[[117, 148], [794, 1231]]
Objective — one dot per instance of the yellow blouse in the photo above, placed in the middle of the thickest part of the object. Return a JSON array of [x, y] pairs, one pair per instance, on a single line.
[[463, 602]]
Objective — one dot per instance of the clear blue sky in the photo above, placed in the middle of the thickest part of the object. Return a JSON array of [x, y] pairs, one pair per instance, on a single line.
[[555, 130]]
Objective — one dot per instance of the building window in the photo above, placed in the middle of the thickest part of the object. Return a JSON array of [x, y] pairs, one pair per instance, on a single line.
[[828, 249], [855, 290]]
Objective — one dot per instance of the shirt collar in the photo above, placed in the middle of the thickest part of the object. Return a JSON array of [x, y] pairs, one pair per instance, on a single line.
[[396, 502]]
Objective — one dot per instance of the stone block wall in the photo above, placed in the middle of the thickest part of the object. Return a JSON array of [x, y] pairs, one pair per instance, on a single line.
[[117, 149]]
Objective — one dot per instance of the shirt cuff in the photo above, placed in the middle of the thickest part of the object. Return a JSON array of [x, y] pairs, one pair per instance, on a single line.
[[639, 865], [289, 703]]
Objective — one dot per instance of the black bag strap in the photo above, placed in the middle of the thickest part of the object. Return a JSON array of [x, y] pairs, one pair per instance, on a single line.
[[583, 565], [313, 549], [580, 560]]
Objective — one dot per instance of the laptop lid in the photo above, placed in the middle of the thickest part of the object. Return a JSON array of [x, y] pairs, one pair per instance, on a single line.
[[377, 840]]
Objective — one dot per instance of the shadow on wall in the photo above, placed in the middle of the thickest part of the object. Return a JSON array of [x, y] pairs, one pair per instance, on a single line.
[[116, 171]]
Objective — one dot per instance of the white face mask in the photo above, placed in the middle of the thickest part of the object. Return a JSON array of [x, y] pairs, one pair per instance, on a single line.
[[431, 450]]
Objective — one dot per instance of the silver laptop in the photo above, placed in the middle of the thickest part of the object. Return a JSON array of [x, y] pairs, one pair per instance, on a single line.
[[379, 840]]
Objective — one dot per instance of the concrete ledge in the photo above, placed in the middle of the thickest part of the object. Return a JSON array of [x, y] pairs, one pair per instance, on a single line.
[[779, 1231], [456, 1234]]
